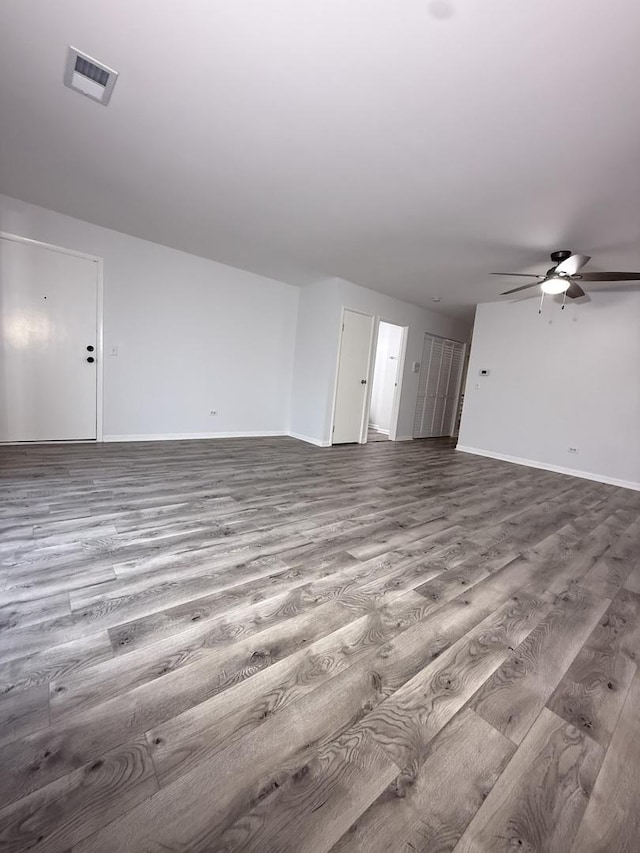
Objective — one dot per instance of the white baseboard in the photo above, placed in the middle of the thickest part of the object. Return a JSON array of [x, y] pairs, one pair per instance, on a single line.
[[378, 428], [558, 469], [57, 442], [403, 438], [189, 436], [309, 439]]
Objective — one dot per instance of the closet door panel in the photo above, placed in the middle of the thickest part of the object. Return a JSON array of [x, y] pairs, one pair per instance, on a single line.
[[438, 387], [427, 386]]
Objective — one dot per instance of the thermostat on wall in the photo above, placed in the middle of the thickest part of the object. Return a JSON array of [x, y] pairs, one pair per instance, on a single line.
[[483, 372]]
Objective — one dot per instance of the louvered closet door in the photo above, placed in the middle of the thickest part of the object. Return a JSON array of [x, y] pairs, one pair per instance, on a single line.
[[428, 385], [453, 390], [439, 386]]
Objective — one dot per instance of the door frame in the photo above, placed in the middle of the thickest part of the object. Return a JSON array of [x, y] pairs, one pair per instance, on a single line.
[[17, 238], [395, 405], [367, 397]]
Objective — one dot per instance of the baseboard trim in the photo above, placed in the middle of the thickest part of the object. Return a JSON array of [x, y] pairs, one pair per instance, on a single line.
[[557, 469], [403, 438], [191, 436], [379, 429], [309, 439], [56, 441]]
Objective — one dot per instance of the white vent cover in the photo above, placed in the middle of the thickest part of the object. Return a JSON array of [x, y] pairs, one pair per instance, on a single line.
[[89, 76]]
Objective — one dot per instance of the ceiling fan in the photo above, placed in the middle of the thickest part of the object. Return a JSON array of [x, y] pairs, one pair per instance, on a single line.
[[564, 276]]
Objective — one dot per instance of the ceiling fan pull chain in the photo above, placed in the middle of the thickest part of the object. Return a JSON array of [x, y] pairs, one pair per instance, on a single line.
[[541, 301], [564, 299]]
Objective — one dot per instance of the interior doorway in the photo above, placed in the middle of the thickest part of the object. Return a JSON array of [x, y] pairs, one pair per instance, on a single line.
[[386, 380], [361, 346], [50, 343]]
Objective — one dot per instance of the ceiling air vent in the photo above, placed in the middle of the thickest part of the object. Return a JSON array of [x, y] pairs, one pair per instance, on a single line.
[[89, 76]]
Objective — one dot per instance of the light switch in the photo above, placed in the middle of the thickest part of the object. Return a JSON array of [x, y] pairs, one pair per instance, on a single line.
[[415, 367]]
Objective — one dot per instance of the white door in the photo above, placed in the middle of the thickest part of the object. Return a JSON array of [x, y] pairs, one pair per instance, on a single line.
[[439, 387], [353, 370], [48, 350]]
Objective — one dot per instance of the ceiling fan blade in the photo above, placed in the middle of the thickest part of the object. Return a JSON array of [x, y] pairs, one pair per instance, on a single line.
[[573, 264], [522, 287], [609, 276], [574, 291], [518, 274]]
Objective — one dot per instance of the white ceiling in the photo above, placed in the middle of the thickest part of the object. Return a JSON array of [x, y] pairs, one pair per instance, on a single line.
[[411, 146]]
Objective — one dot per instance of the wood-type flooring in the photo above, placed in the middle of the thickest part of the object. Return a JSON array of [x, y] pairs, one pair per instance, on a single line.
[[260, 645]]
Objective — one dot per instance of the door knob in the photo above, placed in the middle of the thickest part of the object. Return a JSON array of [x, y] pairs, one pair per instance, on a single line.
[[89, 348], [91, 359]]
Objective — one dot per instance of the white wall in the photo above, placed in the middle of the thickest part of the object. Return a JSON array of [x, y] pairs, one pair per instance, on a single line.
[[316, 348], [561, 379], [317, 351], [192, 335], [384, 375]]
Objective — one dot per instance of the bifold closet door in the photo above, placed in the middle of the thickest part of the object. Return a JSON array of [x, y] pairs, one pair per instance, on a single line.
[[439, 387]]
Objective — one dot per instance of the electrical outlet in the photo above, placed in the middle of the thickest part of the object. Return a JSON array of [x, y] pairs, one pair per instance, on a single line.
[[572, 450], [213, 412]]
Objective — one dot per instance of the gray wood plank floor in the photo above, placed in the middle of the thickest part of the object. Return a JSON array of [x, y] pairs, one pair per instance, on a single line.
[[260, 645]]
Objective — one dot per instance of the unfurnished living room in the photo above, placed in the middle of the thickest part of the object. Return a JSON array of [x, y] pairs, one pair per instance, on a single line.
[[320, 426]]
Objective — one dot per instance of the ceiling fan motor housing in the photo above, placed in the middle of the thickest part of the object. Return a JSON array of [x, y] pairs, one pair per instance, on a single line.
[[560, 256]]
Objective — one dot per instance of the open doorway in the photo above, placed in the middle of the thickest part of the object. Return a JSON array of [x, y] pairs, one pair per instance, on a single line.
[[383, 409], [368, 379]]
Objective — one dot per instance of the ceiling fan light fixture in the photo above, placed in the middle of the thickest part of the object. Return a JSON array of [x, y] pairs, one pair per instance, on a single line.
[[561, 277], [556, 284]]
